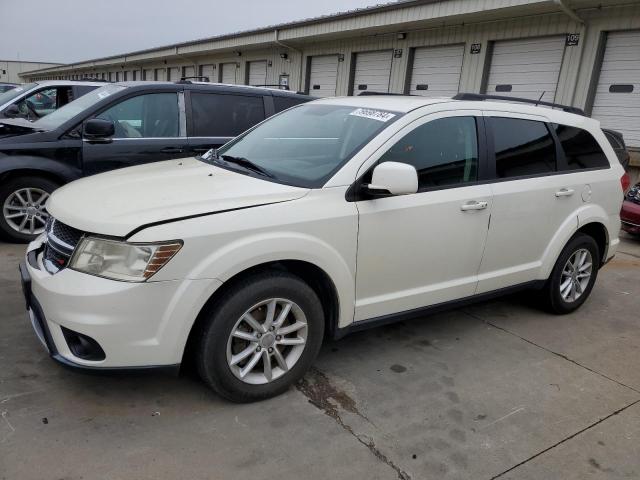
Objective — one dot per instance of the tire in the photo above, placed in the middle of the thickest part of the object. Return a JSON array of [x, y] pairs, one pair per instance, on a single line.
[[217, 349], [552, 294], [11, 194]]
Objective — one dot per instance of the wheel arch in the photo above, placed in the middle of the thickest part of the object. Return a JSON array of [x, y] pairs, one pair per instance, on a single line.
[[318, 279], [19, 166]]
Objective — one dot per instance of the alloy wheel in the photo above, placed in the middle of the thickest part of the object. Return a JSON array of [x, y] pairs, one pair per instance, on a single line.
[[575, 275], [25, 212], [267, 341]]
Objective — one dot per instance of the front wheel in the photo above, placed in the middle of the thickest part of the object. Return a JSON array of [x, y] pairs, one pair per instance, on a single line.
[[23, 203], [573, 275], [260, 337]]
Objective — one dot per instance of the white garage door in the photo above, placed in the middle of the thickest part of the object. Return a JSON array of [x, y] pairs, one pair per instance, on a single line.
[[188, 72], [173, 74], [323, 76], [209, 72], [147, 74], [436, 71], [258, 72], [372, 73], [617, 100], [161, 74], [229, 73], [526, 67]]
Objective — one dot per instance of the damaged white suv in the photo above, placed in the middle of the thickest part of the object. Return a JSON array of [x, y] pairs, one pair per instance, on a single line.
[[332, 216]]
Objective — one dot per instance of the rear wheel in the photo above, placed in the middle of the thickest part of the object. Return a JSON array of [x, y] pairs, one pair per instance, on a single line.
[[261, 337], [23, 203], [573, 275]]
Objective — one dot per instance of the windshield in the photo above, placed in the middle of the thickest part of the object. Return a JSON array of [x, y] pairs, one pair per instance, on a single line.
[[16, 92], [306, 145], [70, 110]]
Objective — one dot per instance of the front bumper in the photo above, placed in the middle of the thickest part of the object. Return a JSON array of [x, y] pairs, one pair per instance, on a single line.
[[138, 325]]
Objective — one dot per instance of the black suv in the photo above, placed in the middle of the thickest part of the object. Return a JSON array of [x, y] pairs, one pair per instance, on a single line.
[[119, 125]]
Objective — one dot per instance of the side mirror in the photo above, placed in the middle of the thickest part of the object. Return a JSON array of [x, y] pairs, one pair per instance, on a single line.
[[98, 129], [12, 111], [395, 178]]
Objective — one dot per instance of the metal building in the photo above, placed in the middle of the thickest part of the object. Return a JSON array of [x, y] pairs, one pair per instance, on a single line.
[[579, 52], [11, 70]]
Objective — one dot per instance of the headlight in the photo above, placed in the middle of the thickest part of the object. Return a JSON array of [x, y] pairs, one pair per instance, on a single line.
[[130, 262]]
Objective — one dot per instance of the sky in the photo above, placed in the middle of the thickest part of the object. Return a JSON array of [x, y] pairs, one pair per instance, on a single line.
[[73, 30]]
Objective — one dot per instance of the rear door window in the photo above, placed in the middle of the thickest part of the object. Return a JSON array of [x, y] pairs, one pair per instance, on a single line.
[[581, 150], [522, 147], [220, 115]]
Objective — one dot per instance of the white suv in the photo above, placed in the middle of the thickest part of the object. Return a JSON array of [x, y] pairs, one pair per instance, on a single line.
[[333, 216]]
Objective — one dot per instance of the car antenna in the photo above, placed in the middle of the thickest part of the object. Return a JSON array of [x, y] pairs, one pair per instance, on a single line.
[[543, 92]]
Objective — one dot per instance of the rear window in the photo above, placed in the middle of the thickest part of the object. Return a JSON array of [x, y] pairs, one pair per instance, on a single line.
[[217, 115], [282, 103], [580, 148], [523, 147]]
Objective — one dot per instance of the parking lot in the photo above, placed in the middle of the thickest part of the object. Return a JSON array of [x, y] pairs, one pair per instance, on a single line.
[[496, 390]]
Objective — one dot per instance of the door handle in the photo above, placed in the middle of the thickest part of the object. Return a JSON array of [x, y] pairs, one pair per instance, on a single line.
[[171, 150], [565, 192], [474, 205], [201, 150]]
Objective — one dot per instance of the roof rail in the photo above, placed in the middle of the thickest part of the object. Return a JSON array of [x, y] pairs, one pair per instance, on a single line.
[[188, 79], [481, 96], [273, 85], [367, 93]]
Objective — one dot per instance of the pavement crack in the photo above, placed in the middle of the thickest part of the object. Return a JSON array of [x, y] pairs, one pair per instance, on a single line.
[[326, 397], [561, 355], [542, 452]]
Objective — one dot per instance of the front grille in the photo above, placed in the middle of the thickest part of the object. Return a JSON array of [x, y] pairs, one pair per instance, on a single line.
[[60, 243]]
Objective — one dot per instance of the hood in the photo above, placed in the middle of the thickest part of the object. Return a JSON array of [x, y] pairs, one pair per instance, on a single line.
[[17, 126], [117, 202]]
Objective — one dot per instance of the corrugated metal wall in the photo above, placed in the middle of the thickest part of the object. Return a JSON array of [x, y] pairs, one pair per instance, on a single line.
[[580, 63]]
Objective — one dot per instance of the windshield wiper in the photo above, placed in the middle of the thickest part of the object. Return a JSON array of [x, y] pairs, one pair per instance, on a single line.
[[246, 163]]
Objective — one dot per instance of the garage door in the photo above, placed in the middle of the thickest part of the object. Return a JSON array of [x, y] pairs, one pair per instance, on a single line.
[[372, 72], [147, 74], [526, 67], [228, 73], [209, 72], [323, 76], [173, 74], [161, 74], [436, 71], [617, 100], [258, 73], [188, 72]]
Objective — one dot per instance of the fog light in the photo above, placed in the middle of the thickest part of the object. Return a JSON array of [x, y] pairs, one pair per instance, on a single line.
[[83, 346]]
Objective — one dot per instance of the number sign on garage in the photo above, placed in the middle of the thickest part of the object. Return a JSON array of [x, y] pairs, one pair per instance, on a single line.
[[372, 72], [323, 75], [617, 97], [526, 67], [435, 71]]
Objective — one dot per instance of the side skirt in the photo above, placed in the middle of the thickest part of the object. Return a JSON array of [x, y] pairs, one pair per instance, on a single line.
[[432, 309]]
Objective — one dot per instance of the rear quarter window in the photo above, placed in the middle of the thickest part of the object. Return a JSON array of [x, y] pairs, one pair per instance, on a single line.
[[282, 103], [581, 150]]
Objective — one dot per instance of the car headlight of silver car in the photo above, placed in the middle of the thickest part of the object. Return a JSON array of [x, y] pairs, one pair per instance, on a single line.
[[118, 260]]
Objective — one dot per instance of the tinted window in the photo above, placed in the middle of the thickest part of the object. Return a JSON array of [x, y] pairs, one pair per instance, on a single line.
[[444, 151], [216, 115], [523, 147], [282, 103], [146, 116], [580, 148]]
